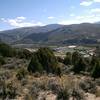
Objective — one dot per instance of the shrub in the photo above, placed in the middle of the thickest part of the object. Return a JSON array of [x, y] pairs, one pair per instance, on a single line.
[[34, 90], [7, 90], [35, 65], [63, 95], [6, 50], [77, 94], [88, 86], [37, 74], [60, 59], [97, 51], [68, 59], [75, 57], [54, 85], [94, 60], [23, 53], [96, 69], [58, 71], [79, 66], [4, 75], [2, 61], [30, 97], [21, 74], [43, 60]]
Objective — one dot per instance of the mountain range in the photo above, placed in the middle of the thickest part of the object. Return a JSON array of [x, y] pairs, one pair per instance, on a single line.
[[85, 33]]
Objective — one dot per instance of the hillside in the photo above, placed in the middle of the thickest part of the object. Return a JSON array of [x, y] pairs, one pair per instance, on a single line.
[[10, 36], [84, 33], [72, 34]]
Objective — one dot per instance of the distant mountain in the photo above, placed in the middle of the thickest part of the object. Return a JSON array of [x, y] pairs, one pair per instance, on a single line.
[[84, 33], [10, 36], [97, 22]]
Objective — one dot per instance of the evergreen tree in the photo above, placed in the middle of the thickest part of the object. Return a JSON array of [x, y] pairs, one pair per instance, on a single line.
[[23, 53], [43, 59], [6, 50], [75, 57], [2, 60], [96, 69], [58, 71], [79, 66], [35, 65], [93, 60], [97, 51], [68, 59]]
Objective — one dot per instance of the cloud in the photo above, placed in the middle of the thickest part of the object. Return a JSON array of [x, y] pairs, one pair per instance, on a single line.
[[96, 10], [86, 3], [20, 22], [21, 18], [3, 19], [88, 18], [96, 0], [82, 19], [72, 15], [89, 2], [51, 17], [68, 22]]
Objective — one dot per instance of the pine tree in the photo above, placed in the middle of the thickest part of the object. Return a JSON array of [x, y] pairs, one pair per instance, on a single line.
[[68, 59], [6, 50], [79, 66], [75, 57], [43, 59], [96, 69], [35, 65]]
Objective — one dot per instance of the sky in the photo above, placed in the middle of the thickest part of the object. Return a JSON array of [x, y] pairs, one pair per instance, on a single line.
[[26, 13]]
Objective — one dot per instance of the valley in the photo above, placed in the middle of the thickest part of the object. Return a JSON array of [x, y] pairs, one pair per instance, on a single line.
[[52, 62]]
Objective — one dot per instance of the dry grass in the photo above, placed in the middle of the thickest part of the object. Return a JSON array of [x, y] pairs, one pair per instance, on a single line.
[[98, 92], [43, 84]]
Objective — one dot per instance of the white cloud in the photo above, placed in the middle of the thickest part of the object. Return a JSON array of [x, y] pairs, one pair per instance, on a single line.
[[21, 22], [89, 2], [72, 15], [86, 3], [51, 17], [88, 18], [96, 0], [82, 19], [85, 17], [3, 19], [96, 10], [68, 22], [21, 17]]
